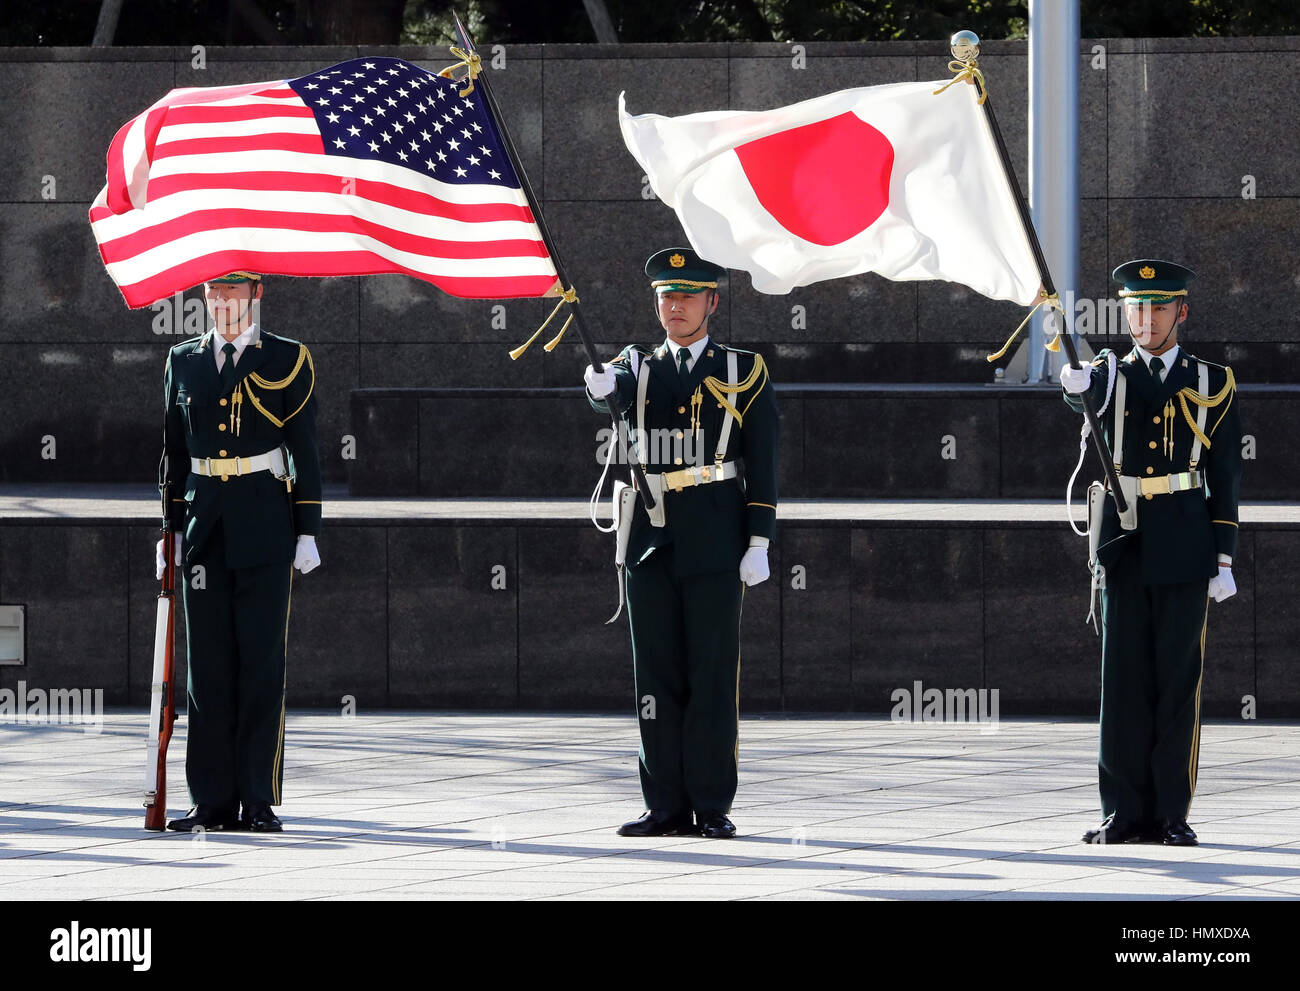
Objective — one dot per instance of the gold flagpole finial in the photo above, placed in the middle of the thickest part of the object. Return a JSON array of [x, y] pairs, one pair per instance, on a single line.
[[965, 48], [470, 62]]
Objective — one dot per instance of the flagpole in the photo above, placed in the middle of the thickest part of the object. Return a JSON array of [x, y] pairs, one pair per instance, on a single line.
[[964, 46], [616, 414]]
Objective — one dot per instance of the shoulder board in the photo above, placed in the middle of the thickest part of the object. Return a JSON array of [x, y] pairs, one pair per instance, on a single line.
[[266, 337], [1208, 364], [625, 356]]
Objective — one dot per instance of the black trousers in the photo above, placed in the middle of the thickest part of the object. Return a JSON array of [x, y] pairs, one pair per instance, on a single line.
[[686, 656], [236, 625], [1153, 654]]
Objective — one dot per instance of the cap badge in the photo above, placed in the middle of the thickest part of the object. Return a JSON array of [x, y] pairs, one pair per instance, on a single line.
[[677, 261], [1147, 272]]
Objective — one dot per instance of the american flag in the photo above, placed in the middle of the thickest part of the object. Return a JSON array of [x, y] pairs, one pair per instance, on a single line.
[[372, 166]]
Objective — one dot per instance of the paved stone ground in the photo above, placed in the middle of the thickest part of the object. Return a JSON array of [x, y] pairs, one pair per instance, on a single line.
[[523, 806]]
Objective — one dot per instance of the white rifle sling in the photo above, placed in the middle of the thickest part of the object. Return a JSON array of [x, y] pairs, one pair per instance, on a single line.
[[724, 435], [1203, 387], [1121, 394], [653, 481], [1127, 519]]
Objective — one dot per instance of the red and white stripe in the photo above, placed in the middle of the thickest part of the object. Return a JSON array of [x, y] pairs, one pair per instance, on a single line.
[[216, 179]]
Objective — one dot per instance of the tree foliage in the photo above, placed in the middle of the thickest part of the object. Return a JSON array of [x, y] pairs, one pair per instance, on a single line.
[[263, 22]]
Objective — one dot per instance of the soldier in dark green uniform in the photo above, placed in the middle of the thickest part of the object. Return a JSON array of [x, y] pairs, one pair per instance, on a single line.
[[705, 418], [241, 463], [1174, 429]]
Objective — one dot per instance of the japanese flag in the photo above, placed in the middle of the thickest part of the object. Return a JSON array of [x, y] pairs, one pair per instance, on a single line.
[[889, 179]]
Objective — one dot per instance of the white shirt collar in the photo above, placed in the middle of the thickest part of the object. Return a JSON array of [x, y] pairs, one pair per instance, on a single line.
[[240, 342], [1167, 359], [696, 349]]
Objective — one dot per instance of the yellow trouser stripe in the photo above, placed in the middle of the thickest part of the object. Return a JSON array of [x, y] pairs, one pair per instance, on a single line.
[[1194, 758], [277, 770]]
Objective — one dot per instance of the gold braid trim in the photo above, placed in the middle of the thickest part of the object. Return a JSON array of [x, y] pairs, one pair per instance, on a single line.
[[683, 282], [268, 384], [1226, 393], [721, 389], [303, 353]]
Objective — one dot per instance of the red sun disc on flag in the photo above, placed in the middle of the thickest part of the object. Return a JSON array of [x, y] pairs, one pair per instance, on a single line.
[[825, 182]]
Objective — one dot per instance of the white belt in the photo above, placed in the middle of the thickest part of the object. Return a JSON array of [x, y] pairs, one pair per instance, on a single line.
[[700, 475], [1184, 481], [272, 461]]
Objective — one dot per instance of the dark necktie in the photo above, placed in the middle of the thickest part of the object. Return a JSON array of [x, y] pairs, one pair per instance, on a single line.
[[228, 369], [683, 356], [1157, 366]]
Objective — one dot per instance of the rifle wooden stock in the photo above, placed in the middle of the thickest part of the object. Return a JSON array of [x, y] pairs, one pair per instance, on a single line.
[[162, 702]]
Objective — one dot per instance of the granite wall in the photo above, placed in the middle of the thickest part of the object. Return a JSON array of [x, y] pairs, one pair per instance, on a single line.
[[510, 613], [836, 442], [1170, 129]]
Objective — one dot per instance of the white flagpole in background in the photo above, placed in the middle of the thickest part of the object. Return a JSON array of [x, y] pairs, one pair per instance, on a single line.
[[1053, 174]]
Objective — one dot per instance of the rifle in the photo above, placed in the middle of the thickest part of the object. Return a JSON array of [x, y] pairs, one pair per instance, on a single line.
[[162, 705]]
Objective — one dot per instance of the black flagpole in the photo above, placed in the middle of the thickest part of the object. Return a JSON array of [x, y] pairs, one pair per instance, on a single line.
[[1026, 222], [615, 414]]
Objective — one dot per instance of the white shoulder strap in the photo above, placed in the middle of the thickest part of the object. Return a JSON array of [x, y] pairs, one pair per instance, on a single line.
[[1121, 394], [1203, 387], [724, 435], [642, 385]]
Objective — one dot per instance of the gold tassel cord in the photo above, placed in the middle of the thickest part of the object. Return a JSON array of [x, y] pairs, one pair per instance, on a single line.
[[721, 389], [566, 296], [1168, 428], [1053, 301], [1188, 394], [966, 70], [470, 62], [549, 346]]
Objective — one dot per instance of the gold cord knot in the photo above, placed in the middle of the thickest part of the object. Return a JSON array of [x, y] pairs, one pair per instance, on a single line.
[[470, 62], [969, 71]]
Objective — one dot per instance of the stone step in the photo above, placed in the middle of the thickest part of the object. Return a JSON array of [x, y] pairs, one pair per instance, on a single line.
[[502, 604], [837, 442]]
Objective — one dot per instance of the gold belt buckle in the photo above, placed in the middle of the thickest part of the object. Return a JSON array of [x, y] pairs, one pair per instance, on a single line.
[[1156, 486], [225, 467]]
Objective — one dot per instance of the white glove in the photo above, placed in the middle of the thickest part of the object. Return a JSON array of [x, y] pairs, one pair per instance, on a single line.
[[160, 562], [1222, 585], [599, 385], [307, 557], [753, 566], [1076, 380]]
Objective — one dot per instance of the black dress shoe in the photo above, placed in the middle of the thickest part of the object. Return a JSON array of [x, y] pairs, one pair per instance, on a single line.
[[258, 818], [1175, 832], [213, 818], [660, 824], [716, 826], [1117, 830]]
